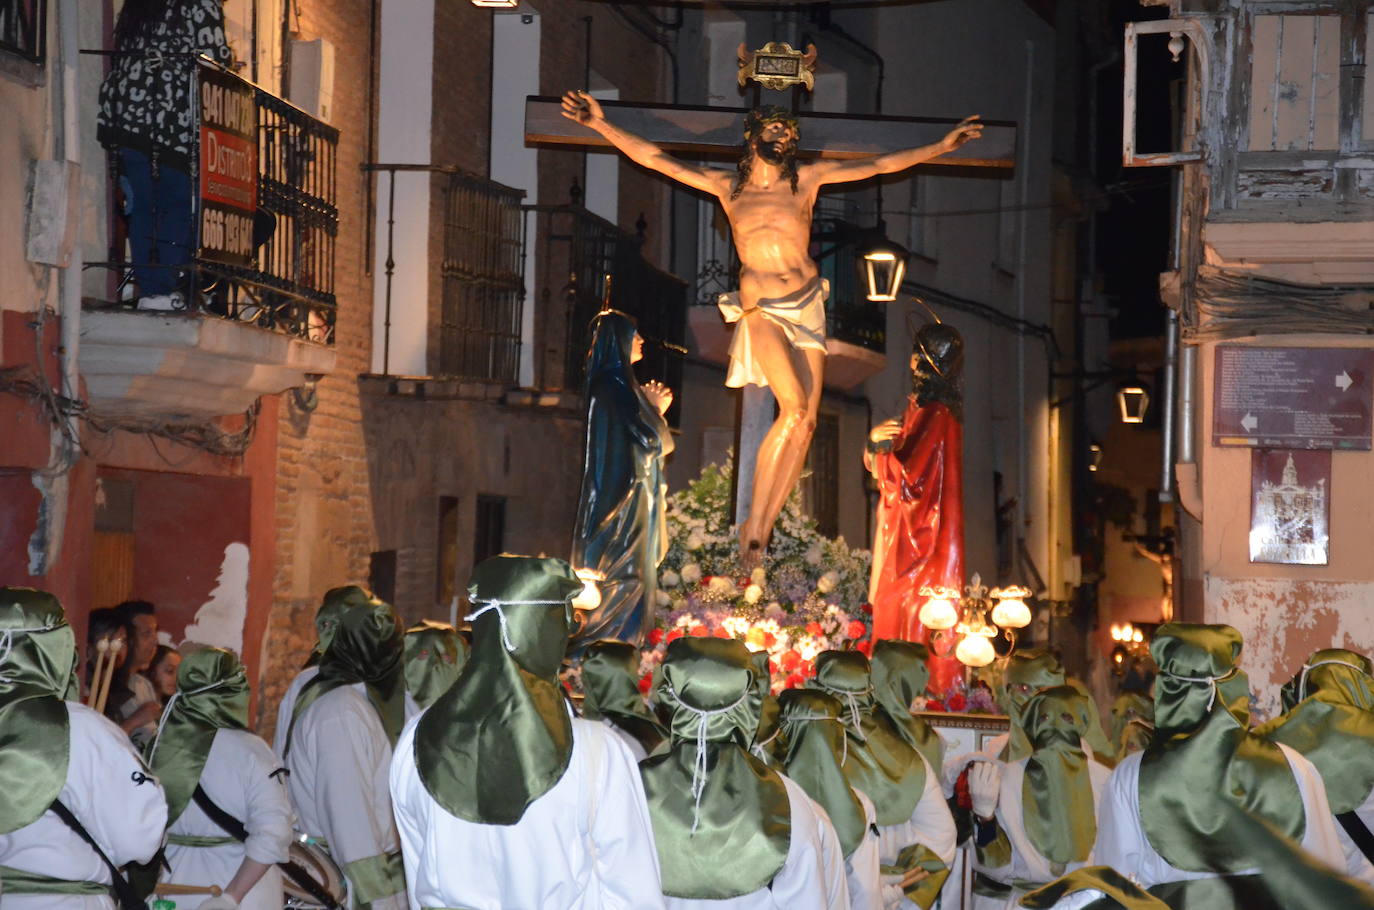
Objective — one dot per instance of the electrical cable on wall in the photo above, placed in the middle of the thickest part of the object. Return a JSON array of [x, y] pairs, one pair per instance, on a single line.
[[1240, 305]]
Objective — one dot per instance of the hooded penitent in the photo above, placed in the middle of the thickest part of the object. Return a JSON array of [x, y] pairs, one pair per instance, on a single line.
[[211, 695], [765, 737], [621, 530], [881, 764], [434, 656], [816, 755], [501, 737], [900, 675], [721, 818], [1027, 672], [37, 654], [610, 686], [1332, 724], [1204, 755], [1096, 737], [1133, 723], [366, 648], [335, 603], [1057, 796]]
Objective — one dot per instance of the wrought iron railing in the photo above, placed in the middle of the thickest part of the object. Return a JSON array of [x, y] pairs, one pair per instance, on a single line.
[[483, 280], [22, 28], [587, 248], [285, 279]]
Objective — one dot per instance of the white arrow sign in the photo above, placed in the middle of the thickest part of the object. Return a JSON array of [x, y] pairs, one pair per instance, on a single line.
[[1343, 381], [1249, 423]]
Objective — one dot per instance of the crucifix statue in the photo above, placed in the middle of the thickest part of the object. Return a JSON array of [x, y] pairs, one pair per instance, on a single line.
[[779, 309]]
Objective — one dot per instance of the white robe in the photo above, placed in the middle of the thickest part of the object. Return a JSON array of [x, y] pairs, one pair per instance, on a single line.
[[635, 746], [863, 868], [1356, 863], [103, 790], [339, 760], [930, 824], [238, 778], [288, 705], [585, 844], [1027, 863], [1123, 845], [811, 878]]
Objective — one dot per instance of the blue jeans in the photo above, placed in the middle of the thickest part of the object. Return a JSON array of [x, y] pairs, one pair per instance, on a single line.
[[161, 226]]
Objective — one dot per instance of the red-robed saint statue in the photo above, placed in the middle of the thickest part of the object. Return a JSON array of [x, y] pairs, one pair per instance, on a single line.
[[917, 461]]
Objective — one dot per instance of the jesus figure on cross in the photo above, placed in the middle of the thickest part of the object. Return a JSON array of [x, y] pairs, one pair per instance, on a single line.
[[779, 310]]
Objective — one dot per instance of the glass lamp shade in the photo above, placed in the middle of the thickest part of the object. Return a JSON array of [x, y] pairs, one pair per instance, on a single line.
[[1011, 614], [975, 650], [589, 598], [938, 613], [1133, 400]]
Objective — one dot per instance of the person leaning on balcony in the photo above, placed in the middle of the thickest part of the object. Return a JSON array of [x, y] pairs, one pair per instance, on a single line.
[[145, 118], [210, 765], [503, 798], [55, 752], [338, 749]]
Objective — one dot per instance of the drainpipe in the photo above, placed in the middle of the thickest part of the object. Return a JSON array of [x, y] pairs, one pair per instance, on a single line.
[[1186, 470]]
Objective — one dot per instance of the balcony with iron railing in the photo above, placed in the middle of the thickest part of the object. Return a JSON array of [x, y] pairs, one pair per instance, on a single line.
[[254, 309]]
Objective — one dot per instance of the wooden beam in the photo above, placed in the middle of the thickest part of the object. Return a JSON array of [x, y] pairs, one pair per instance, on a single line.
[[720, 131]]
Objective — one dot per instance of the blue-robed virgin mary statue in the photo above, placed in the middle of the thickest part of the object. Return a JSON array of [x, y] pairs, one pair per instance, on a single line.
[[621, 532]]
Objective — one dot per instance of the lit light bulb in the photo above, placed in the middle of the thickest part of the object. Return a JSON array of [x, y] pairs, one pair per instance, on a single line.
[[1116, 632], [975, 651], [1137, 637], [939, 613], [589, 598], [1011, 611]]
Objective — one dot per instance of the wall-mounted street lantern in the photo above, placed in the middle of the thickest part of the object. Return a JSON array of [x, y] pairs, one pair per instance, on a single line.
[[1094, 457], [1133, 399], [884, 267]]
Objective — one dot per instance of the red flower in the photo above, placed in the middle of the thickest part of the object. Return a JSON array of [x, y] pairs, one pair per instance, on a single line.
[[865, 648], [935, 705], [957, 702], [721, 632], [674, 635], [814, 628], [769, 639], [655, 637], [855, 629], [795, 681], [808, 670], [790, 660], [772, 669], [645, 683], [867, 608], [698, 632]]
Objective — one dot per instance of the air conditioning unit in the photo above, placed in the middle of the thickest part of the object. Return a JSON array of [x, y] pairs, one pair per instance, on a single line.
[[312, 77]]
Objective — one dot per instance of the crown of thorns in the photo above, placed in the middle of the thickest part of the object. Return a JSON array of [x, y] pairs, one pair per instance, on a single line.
[[760, 117]]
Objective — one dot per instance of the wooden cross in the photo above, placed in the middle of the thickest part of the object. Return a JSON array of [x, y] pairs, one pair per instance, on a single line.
[[717, 131]]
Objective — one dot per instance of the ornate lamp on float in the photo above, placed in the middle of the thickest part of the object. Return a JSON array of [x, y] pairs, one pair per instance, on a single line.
[[945, 609], [1130, 641], [589, 598]]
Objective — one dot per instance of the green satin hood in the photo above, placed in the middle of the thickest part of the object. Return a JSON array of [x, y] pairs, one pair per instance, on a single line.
[[882, 765], [1133, 723], [721, 818], [1333, 725], [211, 695], [336, 602], [1057, 796], [766, 735], [501, 737], [1103, 749], [37, 653], [366, 648], [900, 674], [1204, 755], [610, 687], [1027, 672], [816, 754], [434, 656]]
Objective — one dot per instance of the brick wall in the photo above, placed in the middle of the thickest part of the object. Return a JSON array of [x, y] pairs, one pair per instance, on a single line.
[[324, 512]]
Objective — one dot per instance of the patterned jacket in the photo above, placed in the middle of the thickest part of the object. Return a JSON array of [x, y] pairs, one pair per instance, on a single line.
[[146, 100]]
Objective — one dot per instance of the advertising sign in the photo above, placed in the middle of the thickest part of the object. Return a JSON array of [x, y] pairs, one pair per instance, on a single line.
[[228, 166]]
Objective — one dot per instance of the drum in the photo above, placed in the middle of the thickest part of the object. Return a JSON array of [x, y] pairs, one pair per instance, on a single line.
[[311, 857]]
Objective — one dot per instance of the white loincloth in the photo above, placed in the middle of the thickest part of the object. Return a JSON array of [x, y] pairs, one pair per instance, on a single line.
[[800, 315]]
